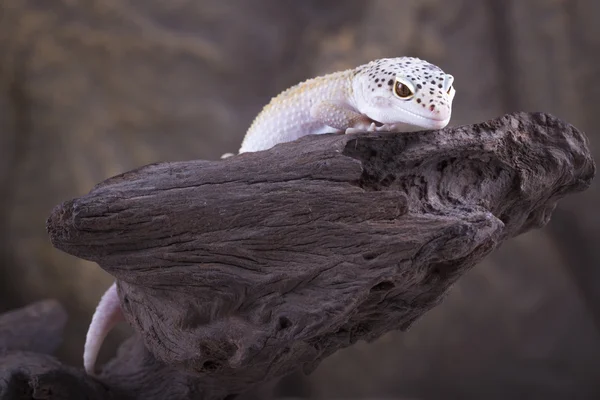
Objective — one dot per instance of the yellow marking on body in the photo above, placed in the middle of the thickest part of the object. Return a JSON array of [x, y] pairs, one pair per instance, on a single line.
[[293, 93]]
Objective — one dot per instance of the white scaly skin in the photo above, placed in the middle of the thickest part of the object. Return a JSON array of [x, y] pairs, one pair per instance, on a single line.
[[402, 94], [108, 314]]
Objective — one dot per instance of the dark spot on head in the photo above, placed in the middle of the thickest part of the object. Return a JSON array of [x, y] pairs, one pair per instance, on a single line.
[[391, 82], [440, 85], [418, 100], [419, 85], [432, 107], [379, 85], [433, 82]]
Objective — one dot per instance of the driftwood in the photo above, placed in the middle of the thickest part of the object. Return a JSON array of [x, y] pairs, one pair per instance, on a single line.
[[238, 271]]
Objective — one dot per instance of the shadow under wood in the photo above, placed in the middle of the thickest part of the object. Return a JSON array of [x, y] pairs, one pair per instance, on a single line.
[[242, 270], [28, 338]]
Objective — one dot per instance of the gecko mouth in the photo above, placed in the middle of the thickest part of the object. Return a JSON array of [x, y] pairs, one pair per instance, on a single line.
[[429, 120], [428, 117], [434, 120]]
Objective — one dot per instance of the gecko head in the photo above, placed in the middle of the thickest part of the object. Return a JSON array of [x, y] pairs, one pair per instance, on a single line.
[[407, 92]]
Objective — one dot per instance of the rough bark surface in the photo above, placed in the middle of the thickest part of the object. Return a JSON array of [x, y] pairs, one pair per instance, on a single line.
[[234, 272]]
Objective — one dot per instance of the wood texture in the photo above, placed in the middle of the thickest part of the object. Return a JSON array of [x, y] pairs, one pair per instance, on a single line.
[[234, 272]]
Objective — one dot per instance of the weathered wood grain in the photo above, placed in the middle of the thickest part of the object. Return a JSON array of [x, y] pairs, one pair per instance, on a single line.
[[242, 270]]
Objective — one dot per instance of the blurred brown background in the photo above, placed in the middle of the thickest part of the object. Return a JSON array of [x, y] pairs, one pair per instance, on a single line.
[[92, 88]]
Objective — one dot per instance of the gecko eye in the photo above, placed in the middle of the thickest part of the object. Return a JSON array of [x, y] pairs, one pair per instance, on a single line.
[[403, 91]]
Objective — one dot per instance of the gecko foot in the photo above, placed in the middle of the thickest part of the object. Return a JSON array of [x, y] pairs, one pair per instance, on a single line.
[[361, 129], [354, 130], [374, 127]]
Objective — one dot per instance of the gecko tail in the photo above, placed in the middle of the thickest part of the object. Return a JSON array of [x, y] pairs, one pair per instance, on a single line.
[[108, 313]]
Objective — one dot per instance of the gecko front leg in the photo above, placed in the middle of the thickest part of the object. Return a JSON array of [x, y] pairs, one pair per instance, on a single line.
[[340, 117], [345, 119], [374, 127]]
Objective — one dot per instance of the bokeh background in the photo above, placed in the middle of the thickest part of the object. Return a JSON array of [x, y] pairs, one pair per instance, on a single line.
[[93, 88]]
